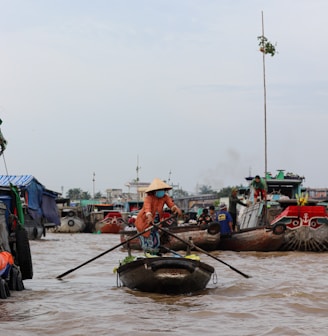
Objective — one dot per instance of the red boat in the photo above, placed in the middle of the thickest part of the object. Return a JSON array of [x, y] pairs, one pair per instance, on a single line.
[[112, 223], [288, 213]]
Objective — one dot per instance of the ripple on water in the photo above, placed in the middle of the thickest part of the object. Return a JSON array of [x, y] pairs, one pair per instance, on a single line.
[[285, 295]]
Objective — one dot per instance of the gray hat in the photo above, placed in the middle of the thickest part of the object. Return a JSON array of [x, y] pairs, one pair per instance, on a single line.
[[223, 206]]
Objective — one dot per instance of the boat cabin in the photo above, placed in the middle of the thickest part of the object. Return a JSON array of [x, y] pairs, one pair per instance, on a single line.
[[38, 208], [282, 191]]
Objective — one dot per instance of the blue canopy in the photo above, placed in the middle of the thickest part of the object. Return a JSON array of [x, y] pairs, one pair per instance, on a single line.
[[41, 202]]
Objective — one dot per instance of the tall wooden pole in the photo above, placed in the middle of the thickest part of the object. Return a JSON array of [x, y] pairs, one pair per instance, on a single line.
[[265, 111], [93, 183]]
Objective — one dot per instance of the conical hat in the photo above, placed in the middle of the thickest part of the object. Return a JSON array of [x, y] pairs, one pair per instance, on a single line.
[[158, 184]]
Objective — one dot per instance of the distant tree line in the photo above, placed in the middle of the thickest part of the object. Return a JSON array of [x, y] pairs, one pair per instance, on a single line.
[[78, 194]]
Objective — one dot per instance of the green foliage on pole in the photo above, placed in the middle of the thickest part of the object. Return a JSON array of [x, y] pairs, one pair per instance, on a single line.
[[267, 47]]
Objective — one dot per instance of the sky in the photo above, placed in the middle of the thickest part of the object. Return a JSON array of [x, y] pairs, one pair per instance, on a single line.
[[92, 90]]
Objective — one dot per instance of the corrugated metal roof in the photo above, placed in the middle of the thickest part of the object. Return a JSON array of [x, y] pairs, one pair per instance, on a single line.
[[17, 180]]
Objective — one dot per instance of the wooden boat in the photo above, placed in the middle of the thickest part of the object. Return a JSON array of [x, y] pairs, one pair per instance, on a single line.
[[15, 255], [168, 275], [303, 225], [72, 218], [112, 223], [71, 221], [258, 239], [207, 239], [39, 209], [253, 234], [306, 228]]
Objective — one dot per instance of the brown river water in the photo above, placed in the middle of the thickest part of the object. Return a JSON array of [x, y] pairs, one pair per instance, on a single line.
[[286, 294]]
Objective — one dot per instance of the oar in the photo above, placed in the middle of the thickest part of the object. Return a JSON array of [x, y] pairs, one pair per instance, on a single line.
[[111, 249], [192, 245]]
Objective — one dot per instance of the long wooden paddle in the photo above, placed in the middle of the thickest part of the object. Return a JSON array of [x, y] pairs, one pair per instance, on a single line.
[[192, 245], [111, 249]]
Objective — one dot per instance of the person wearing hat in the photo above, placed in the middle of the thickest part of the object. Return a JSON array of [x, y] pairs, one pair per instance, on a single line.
[[233, 201], [153, 205], [225, 220], [259, 188]]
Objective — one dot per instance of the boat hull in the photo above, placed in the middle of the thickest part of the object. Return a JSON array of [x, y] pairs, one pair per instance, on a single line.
[[208, 239], [110, 225], [256, 239], [306, 228], [70, 225], [306, 239], [109, 228], [34, 227], [168, 275]]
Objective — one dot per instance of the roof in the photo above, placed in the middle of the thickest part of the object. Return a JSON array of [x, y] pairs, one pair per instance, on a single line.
[[22, 182], [17, 180]]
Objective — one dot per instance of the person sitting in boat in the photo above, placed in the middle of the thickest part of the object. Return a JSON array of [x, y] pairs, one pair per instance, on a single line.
[[212, 212], [259, 186], [154, 203], [233, 201], [204, 219], [225, 220]]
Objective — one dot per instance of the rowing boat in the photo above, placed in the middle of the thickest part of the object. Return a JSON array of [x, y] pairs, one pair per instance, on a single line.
[[168, 275]]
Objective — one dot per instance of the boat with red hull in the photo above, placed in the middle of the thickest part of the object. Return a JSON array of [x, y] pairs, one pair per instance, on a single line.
[[287, 216], [306, 227], [112, 223]]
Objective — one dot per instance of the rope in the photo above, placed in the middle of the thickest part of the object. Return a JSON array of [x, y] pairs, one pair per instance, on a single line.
[[4, 160]]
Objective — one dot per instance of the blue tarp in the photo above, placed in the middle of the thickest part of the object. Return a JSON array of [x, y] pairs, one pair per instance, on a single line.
[[41, 202]]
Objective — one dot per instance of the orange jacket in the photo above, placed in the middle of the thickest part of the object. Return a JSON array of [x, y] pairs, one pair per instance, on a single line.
[[152, 204], [5, 259]]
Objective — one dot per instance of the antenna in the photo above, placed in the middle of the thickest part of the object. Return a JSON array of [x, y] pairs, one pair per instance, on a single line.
[[137, 169], [94, 181], [137, 179]]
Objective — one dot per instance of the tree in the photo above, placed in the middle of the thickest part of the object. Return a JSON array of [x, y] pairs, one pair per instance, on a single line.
[[225, 192], [77, 194], [205, 189], [85, 195], [176, 193], [98, 195]]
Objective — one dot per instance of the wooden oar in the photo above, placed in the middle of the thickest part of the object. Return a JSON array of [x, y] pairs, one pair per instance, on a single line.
[[111, 249], [192, 245]]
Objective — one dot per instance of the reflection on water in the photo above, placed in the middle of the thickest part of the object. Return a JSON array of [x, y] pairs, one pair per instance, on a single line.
[[286, 295]]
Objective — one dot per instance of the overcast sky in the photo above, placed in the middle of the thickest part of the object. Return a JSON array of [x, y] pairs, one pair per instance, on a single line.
[[174, 87]]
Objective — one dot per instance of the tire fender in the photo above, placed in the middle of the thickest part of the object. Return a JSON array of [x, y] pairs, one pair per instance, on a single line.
[[213, 228], [279, 229], [70, 223], [23, 254]]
